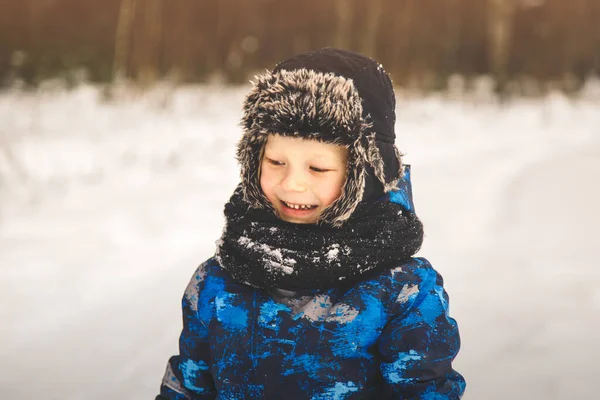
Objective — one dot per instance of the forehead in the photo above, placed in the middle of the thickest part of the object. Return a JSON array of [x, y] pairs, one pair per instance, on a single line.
[[306, 147]]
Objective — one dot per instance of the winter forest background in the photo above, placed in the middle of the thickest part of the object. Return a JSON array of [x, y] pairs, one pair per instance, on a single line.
[[118, 126], [423, 42]]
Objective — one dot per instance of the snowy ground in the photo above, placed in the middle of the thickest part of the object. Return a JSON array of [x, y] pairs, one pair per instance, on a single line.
[[106, 208]]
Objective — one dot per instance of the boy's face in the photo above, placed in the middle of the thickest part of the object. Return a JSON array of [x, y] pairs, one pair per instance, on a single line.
[[302, 177]]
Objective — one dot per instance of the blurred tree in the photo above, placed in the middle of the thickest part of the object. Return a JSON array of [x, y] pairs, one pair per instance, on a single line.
[[371, 27], [343, 23], [148, 46], [453, 29], [177, 40], [401, 35], [123, 39], [500, 18], [420, 42]]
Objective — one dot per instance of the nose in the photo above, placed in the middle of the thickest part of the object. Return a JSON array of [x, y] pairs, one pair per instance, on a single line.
[[294, 181]]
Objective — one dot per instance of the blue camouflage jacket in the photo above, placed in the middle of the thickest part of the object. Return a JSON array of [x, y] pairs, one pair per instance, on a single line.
[[389, 336]]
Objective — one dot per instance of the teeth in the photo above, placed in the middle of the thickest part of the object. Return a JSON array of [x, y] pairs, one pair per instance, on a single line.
[[298, 206]]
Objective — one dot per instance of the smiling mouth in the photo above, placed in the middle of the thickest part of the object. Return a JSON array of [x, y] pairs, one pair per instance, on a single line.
[[298, 206]]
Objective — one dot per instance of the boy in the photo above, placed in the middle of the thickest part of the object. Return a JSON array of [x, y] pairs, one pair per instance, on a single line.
[[313, 292]]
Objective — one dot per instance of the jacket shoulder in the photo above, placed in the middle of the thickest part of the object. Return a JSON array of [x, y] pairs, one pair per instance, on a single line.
[[414, 269], [407, 282], [208, 273]]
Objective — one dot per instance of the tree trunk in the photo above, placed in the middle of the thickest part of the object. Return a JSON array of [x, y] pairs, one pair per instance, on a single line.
[[368, 42], [343, 16], [452, 37], [149, 68], [123, 39], [180, 43], [401, 41], [501, 14]]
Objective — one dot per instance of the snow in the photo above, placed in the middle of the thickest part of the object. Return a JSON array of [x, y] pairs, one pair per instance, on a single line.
[[272, 256], [332, 254], [107, 207]]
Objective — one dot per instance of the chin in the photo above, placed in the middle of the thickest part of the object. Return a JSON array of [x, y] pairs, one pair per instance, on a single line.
[[297, 220]]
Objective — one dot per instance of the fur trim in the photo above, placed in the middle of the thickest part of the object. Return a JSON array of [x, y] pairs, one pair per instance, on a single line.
[[376, 161], [249, 153], [307, 103], [400, 163]]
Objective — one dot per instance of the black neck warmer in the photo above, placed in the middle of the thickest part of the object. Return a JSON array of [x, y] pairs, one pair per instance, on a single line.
[[261, 250]]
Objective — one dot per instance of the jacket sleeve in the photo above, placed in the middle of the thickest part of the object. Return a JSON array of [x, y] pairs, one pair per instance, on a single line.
[[188, 374], [420, 342]]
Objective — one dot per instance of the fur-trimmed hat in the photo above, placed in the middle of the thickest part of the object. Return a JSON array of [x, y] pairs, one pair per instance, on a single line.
[[335, 96]]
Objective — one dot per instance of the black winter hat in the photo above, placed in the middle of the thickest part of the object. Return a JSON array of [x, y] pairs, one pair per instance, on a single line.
[[336, 96]]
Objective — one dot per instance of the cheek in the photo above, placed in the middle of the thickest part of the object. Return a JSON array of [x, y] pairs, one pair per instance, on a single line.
[[331, 190], [267, 182]]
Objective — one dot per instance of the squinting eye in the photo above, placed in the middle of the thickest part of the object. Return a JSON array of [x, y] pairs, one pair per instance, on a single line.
[[274, 162], [319, 169]]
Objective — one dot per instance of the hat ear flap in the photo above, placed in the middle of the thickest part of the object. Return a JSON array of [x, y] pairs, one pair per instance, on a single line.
[[400, 163], [387, 173], [249, 155]]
